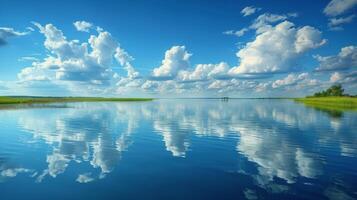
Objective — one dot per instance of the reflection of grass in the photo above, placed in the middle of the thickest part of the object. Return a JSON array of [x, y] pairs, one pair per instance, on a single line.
[[330, 103], [29, 100], [332, 112]]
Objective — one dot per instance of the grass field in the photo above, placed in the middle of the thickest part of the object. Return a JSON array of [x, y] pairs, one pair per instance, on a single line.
[[30, 100], [331, 103]]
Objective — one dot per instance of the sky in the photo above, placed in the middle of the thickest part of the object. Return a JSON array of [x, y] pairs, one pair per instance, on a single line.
[[171, 48]]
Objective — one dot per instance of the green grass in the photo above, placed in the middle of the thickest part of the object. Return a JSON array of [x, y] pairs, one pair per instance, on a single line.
[[330, 103], [30, 100]]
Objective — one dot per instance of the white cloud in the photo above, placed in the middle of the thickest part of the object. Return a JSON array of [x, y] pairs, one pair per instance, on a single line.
[[150, 85], [12, 172], [349, 77], [307, 38], [84, 178], [236, 33], [276, 49], [33, 74], [104, 46], [338, 7], [264, 21], [203, 72], [88, 63], [234, 85], [289, 80], [261, 24], [335, 77], [346, 59], [249, 10], [87, 66], [6, 33], [27, 58], [124, 59], [296, 82], [83, 26], [176, 58], [334, 23]]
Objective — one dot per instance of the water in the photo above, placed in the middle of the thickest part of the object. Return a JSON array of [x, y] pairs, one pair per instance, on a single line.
[[178, 149]]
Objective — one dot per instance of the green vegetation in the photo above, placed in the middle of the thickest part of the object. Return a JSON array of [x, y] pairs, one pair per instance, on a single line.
[[339, 103], [332, 99], [30, 100], [333, 91]]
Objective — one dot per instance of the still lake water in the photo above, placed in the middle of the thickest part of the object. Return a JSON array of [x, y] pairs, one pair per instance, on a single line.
[[178, 149]]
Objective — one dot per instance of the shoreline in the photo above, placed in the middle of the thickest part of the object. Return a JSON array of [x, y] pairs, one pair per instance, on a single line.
[[327, 102], [10, 100], [331, 103]]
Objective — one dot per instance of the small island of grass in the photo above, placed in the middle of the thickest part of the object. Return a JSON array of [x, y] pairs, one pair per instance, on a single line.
[[332, 98], [31, 100]]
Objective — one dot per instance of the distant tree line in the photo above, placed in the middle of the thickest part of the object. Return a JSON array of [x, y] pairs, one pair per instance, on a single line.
[[333, 91]]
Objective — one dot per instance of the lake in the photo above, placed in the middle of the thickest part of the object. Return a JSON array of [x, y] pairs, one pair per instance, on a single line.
[[178, 149]]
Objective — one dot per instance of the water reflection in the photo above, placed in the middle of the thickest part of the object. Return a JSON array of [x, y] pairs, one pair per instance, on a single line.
[[82, 134], [279, 143]]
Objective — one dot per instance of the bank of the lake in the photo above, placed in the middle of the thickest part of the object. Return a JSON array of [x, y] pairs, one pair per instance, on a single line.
[[30, 100], [337, 103]]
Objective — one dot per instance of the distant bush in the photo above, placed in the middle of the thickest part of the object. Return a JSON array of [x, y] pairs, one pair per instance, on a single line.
[[335, 91]]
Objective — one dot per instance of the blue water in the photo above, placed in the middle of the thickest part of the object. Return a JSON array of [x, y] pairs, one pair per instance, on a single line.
[[177, 149]]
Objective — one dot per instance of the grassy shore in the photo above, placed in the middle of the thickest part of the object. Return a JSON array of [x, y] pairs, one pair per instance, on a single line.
[[335, 103], [30, 100]]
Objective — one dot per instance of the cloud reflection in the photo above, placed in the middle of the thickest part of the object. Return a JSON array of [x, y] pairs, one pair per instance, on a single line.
[[82, 135], [276, 140]]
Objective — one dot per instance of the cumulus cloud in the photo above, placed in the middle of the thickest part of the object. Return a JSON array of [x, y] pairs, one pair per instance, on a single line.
[[204, 72], [276, 49], [335, 77], [249, 10], [265, 21], [176, 58], [234, 85], [262, 23], [125, 60], [33, 74], [338, 7], [83, 26], [346, 59], [6, 33], [88, 62], [349, 77], [307, 38], [289, 80], [88, 66], [296, 82]]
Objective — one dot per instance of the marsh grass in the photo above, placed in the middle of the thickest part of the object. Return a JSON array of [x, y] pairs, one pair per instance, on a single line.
[[330, 103], [31, 100]]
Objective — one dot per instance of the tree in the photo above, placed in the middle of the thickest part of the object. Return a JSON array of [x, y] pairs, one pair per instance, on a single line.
[[335, 90]]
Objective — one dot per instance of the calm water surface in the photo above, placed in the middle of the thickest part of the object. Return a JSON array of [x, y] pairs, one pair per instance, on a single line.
[[178, 149]]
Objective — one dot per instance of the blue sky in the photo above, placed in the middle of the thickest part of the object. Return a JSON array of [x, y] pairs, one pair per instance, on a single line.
[[177, 48]]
